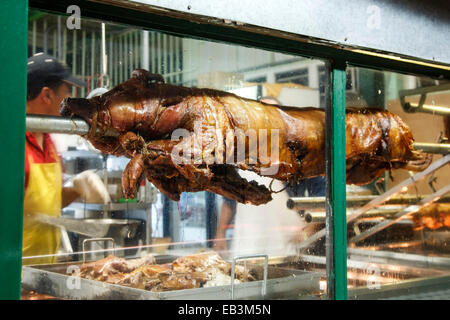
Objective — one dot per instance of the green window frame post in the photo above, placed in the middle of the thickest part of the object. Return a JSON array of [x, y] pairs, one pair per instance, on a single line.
[[13, 84], [336, 224]]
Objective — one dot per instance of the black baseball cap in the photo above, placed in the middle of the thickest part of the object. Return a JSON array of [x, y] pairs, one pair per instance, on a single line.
[[42, 67]]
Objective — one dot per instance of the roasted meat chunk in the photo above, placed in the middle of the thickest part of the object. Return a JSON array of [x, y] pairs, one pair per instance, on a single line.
[[112, 269], [204, 269]]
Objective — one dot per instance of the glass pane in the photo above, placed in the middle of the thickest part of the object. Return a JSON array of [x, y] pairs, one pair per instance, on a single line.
[[213, 219], [398, 247]]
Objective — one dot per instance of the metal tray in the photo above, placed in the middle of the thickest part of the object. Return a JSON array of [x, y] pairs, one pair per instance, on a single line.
[[56, 280]]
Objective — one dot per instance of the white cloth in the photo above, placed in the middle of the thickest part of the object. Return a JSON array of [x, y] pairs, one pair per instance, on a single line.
[[265, 229], [91, 188]]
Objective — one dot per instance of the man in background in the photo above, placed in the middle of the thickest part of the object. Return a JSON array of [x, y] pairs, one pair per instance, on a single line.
[[49, 82]]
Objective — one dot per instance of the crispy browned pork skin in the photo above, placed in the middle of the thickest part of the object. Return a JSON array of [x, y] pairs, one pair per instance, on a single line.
[[284, 143]]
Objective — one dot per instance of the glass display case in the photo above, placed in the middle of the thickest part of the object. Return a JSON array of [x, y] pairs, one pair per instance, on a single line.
[[362, 225]]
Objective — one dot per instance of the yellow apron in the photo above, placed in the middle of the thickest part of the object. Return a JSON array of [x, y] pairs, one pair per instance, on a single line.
[[42, 195]]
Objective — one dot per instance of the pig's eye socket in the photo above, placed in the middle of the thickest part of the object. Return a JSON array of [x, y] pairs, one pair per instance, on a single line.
[[152, 81], [155, 79], [147, 78]]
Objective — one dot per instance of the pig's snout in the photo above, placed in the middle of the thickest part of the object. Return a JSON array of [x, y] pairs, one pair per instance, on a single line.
[[76, 106]]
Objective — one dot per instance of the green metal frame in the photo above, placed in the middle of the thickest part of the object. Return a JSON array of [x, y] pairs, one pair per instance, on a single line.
[[13, 51], [336, 223], [13, 43]]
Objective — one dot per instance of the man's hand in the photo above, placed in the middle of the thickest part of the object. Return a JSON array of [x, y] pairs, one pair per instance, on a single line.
[[91, 188]]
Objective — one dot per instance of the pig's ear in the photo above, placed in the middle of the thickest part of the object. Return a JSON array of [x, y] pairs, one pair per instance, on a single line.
[[147, 77]]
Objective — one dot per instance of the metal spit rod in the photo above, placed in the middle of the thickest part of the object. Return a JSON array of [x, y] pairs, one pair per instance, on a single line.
[[54, 124], [314, 217], [43, 123], [380, 199], [308, 203], [411, 209], [436, 148]]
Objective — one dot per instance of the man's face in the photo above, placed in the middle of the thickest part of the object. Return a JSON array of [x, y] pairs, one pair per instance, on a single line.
[[49, 100], [56, 96]]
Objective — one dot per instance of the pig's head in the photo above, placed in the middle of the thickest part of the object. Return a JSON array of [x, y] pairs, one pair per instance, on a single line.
[[118, 107]]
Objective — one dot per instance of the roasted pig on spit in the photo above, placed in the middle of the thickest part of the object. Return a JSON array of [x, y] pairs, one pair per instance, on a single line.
[[192, 139], [199, 270]]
